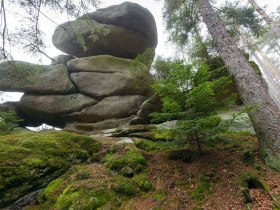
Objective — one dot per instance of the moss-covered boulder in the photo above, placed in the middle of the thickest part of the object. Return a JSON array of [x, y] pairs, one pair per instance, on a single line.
[[30, 161], [104, 64], [21, 76]]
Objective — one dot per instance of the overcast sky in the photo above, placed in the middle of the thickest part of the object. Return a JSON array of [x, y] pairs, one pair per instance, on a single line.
[[155, 7]]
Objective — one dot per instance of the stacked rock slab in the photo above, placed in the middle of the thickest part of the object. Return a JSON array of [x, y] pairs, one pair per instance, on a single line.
[[102, 88]]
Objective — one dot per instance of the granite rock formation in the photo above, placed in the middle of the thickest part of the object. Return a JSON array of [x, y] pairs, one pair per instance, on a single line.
[[103, 88]]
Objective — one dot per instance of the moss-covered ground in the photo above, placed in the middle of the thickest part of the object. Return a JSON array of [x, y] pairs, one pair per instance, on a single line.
[[78, 172], [30, 161]]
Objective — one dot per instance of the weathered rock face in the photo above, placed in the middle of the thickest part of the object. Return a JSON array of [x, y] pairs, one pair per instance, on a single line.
[[102, 76], [124, 30], [89, 93], [115, 107], [26, 77], [49, 108], [119, 41], [128, 15], [104, 64]]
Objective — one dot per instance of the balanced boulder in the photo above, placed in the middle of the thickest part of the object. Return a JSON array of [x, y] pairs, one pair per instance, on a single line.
[[26, 77], [127, 32], [128, 15]]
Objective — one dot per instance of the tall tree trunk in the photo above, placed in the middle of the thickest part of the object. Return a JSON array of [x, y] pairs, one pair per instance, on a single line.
[[274, 27], [266, 117]]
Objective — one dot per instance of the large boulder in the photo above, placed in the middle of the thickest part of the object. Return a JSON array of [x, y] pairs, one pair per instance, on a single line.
[[102, 76], [104, 64], [128, 15], [101, 85], [115, 107], [50, 108], [85, 37], [21, 76]]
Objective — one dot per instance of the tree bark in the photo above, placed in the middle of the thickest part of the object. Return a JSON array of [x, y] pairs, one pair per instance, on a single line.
[[266, 117], [269, 21]]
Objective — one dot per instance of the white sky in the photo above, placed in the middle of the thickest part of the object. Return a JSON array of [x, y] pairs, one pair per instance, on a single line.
[[155, 7]]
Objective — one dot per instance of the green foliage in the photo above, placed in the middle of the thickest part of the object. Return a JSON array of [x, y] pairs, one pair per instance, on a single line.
[[146, 58], [28, 35], [192, 94], [8, 121], [29, 161], [241, 18], [202, 190]]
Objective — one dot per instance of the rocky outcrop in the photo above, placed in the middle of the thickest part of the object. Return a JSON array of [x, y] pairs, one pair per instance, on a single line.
[[119, 41], [128, 15], [21, 76], [104, 64], [115, 107], [124, 30], [101, 89], [49, 108]]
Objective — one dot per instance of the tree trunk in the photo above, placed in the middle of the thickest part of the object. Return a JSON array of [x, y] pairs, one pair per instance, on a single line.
[[266, 117], [274, 27]]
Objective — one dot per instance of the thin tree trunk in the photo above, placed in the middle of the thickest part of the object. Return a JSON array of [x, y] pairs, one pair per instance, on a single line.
[[266, 117], [274, 27]]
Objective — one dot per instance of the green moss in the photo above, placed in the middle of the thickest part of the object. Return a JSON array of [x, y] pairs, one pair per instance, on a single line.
[[271, 160], [132, 159], [142, 181], [256, 68], [125, 187], [49, 190], [29, 161], [159, 196], [202, 190], [149, 145]]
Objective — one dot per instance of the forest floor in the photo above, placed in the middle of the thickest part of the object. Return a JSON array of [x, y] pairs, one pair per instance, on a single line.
[[134, 173]]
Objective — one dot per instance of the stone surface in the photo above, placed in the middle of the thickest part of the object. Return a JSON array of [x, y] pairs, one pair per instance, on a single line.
[[129, 15], [102, 85], [95, 128], [61, 59], [119, 42], [152, 104], [21, 76], [49, 108], [104, 64], [115, 107]]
